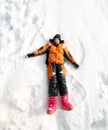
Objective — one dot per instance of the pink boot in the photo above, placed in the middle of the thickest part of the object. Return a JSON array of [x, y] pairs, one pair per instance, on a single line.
[[52, 105], [65, 104]]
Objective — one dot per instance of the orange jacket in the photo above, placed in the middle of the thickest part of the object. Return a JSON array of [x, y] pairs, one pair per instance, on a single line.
[[56, 53]]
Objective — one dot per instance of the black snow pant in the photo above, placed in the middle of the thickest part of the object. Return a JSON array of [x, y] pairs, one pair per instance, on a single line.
[[57, 83]]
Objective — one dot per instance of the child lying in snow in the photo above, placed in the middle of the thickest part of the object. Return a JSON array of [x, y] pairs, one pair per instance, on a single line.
[[56, 52]]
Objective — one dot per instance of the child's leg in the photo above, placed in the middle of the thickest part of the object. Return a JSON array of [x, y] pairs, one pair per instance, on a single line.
[[61, 80], [53, 92], [63, 89], [53, 89]]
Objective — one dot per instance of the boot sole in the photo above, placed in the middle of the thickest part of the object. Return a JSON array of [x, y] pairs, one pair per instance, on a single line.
[[50, 113], [67, 109]]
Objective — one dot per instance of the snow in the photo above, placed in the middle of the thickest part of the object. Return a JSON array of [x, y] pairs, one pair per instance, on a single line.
[[26, 25]]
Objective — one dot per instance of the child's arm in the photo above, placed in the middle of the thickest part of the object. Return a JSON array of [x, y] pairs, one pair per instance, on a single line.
[[70, 57], [40, 51]]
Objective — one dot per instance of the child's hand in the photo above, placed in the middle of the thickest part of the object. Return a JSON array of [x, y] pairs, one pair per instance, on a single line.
[[75, 65], [29, 55]]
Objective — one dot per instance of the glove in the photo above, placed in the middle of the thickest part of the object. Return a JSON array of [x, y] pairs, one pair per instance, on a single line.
[[30, 55], [75, 65]]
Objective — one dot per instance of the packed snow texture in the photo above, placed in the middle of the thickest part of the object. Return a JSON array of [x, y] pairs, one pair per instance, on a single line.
[[26, 25]]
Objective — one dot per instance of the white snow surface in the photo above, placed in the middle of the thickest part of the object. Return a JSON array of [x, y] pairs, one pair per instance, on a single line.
[[26, 25]]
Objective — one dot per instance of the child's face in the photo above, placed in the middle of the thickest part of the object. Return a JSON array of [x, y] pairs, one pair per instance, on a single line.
[[56, 41]]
